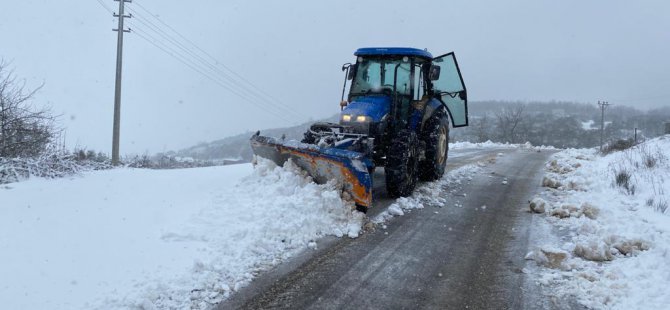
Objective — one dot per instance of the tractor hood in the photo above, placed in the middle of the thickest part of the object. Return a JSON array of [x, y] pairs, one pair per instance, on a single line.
[[374, 107]]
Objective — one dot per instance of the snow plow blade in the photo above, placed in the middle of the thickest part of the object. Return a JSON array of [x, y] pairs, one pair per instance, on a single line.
[[349, 168]]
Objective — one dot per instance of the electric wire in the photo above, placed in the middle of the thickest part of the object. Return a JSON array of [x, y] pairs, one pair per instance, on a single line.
[[104, 6], [248, 87], [205, 62], [171, 52], [195, 66], [209, 67], [179, 57], [216, 61]]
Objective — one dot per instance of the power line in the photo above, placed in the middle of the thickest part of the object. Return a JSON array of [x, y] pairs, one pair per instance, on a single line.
[[193, 60], [105, 6], [200, 67], [170, 51], [205, 52], [198, 61], [255, 90], [195, 67]]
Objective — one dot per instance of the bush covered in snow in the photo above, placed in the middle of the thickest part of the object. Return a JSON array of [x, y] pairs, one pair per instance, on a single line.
[[643, 165], [168, 161], [50, 164], [618, 145]]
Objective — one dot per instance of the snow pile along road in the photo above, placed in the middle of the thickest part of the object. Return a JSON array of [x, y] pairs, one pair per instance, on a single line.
[[611, 242], [133, 238], [495, 145]]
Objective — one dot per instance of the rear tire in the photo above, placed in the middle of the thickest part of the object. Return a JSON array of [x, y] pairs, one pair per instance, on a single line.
[[402, 164], [436, 137]]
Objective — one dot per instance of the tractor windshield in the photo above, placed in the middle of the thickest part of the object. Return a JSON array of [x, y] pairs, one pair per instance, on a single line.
[[375, 75]]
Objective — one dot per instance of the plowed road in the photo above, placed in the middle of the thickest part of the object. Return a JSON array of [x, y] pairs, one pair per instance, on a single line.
[[439, 257]]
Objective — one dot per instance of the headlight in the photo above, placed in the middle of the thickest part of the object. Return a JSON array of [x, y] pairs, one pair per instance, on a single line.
[[346, 118], [362, 118]]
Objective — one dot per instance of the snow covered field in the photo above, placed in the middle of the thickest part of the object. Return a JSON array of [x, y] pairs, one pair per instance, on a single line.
[[157, 238], [606, 227]]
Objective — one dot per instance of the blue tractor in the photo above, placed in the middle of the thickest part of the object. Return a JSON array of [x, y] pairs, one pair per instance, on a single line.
[[400, 106]]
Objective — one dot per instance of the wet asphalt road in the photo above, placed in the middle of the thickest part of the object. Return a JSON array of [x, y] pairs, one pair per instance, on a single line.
[[439, 257]]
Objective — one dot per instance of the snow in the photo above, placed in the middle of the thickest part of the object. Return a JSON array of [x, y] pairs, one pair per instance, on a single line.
[[588, 125], [184, 159], [495, 145], [428, 193], [616, 234], [183, 238], [135, 238]]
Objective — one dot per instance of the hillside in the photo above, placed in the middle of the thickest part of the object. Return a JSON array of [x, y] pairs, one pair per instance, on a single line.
[[555, 123], [236, 148]]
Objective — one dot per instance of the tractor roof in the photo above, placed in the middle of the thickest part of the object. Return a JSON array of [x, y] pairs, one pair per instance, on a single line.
[[392, 51]]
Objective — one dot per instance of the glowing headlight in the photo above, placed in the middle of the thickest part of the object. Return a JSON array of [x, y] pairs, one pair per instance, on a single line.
[[361, 118], [346, 118]]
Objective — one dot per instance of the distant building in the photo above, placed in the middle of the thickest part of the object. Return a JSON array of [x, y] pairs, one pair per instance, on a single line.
[[667, 128]]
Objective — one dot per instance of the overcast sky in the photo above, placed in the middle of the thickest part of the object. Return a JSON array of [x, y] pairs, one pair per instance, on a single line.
[[293, 50]]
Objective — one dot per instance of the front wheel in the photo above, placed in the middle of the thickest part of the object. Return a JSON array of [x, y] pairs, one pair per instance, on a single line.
[[436, 137], [402, 164]]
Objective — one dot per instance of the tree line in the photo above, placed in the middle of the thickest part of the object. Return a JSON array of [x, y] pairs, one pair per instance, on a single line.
[[558, 124]]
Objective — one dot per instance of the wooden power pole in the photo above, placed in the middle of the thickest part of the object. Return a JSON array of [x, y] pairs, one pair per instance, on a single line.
[[117, 89], [603, 105]]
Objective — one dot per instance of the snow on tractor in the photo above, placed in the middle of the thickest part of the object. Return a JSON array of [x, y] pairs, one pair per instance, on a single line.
[[397, 115]]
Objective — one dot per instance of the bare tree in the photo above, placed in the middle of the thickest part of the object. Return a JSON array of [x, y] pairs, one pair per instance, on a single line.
[[508, 120], [25, 131], [482, 127]]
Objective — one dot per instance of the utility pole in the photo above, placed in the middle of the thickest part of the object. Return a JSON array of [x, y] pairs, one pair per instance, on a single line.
[[117, 89], [603, 105]]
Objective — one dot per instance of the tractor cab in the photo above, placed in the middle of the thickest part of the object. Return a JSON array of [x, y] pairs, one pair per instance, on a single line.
[[394, 85]]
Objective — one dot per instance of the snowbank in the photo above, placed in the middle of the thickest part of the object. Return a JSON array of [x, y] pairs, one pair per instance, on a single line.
[[612, 218], [495, 145], [134, 238]]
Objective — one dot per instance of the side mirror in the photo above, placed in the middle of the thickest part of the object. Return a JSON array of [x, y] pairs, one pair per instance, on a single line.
[[352, 71], [463, 95], [434, 73]]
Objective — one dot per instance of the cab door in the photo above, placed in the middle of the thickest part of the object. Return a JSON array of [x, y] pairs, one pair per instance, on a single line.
[[450, 89]]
